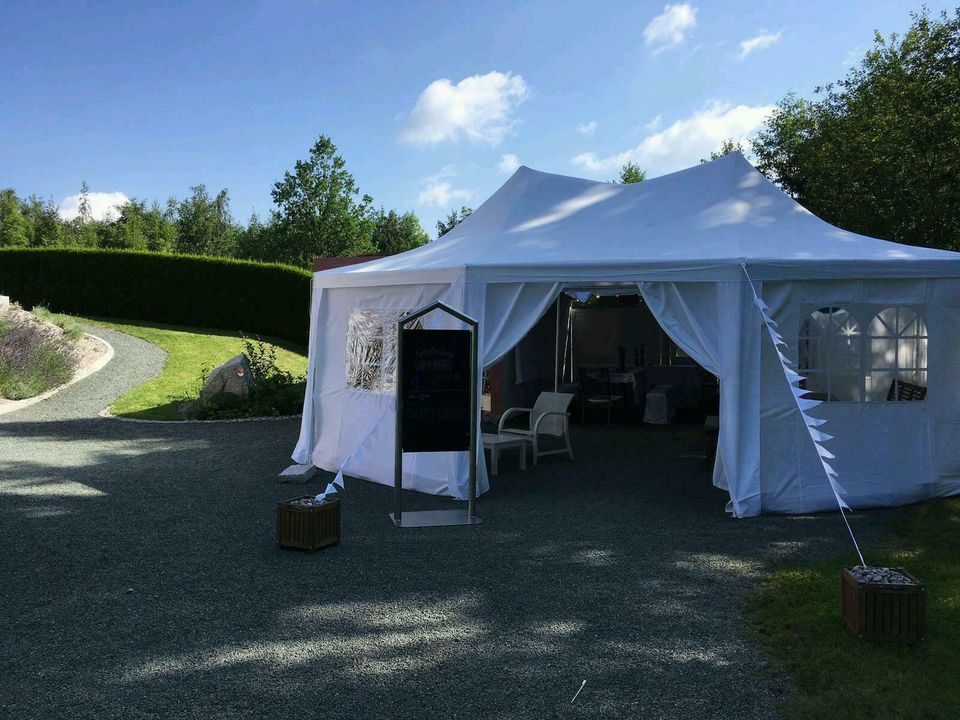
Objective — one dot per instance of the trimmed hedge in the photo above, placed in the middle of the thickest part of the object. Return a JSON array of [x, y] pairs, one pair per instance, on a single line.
[[260, 298]]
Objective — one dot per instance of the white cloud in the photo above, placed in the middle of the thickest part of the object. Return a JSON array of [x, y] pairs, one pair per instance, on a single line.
[[479, 108], [683, 143], [758, 42], [654, 124], [587, 128], [508, 163], [439, 191], [102, 205], [670, 28]]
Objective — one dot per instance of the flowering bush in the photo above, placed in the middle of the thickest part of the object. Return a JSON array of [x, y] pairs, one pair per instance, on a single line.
[[34, 356]]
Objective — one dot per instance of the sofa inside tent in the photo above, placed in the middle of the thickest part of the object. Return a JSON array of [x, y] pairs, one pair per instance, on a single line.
[[861, 318]]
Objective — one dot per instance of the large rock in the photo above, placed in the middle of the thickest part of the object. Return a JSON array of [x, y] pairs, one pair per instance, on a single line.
[[234, 377]]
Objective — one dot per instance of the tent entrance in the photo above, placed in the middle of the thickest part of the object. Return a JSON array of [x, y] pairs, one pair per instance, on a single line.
[[593, 339]]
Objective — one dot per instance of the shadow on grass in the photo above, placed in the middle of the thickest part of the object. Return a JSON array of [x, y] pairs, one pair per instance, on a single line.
[[796, 615]]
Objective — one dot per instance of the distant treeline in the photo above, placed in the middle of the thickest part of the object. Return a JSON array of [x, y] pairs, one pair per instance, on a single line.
[[319, 213]]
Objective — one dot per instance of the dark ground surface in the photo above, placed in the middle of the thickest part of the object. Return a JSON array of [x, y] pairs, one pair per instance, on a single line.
[[139, 578]]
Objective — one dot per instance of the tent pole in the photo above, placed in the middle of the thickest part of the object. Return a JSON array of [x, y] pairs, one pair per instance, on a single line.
[[556, 349], [572, 365]]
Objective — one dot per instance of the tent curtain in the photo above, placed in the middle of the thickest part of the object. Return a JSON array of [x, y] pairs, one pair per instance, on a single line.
[[718, 326]]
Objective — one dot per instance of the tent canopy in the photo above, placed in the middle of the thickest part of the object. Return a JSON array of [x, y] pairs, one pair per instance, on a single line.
[[701, 223], [686, 242]]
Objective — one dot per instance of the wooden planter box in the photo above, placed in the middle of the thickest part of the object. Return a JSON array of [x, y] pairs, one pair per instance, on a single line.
[[881, 611], [308, 528]]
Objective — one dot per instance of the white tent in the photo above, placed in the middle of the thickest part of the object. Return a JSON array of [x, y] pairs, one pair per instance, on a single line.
[[857, 312]]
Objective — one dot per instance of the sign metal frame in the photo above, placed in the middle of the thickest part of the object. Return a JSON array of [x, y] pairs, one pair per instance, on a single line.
[[437, 518]]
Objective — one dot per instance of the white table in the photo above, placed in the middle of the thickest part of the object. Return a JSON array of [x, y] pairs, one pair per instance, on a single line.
[[629, 376], [495, 443]]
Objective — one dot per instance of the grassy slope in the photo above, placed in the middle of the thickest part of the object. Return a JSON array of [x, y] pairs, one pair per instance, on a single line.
[[796, 614], [189, 350]]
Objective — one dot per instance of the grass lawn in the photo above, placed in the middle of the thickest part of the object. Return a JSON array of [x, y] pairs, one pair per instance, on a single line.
[[796, 614], [189, 350]]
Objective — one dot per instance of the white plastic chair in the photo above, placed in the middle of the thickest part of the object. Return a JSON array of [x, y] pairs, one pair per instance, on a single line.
[[548, 416]]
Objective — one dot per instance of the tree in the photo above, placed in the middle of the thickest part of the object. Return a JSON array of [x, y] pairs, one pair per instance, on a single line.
[[320, 212], [877, 152], [83, 230], [453, 219], [256, 241], [14, 229], [726, 147], [631, 173], [204, 225], [45, 229], [159, 229], [395, 233]]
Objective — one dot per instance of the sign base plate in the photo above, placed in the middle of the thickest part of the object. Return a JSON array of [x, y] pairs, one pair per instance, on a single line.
[[434, 518]]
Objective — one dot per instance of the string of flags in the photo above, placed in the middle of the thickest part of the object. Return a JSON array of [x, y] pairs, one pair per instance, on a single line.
[[804, 405]]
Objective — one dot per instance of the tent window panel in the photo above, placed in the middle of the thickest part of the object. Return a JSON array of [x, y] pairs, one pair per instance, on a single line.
[[830, 355], [371, 357], [898, 353]]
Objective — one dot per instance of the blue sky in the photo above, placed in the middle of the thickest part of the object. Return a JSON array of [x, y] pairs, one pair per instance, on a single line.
[[431, 104]]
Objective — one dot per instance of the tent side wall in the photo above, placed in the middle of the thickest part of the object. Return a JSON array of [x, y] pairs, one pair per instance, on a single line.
[[887, 453], [349, 412]]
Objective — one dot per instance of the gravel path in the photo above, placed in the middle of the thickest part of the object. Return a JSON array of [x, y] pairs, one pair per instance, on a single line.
[[139, 579]]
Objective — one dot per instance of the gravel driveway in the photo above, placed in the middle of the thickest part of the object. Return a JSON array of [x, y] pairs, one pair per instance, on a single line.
[[139, 579]]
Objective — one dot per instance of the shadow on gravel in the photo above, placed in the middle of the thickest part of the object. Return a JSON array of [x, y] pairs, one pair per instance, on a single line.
[[140, 579]]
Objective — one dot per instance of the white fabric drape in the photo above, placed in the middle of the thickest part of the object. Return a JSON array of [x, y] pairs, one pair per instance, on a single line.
[[352, 431], [717, 325]]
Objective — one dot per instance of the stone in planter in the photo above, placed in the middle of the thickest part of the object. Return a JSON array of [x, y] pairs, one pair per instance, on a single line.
[[306, 524], [234, 377], [883, 603]]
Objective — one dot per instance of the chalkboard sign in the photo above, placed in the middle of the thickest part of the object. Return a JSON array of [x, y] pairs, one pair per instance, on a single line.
[[435, 390]]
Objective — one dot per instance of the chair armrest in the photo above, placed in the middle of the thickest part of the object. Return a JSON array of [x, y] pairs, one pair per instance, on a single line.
[[536, 427], [509, 412]]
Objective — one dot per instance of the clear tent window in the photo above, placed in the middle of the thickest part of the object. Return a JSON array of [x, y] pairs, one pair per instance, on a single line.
[[863, 352]]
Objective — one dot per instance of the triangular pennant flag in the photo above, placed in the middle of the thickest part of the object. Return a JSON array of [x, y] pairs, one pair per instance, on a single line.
[[819, 436], [338, 480], [837, 487], [319, 498], [793, 375], [806, 404], [824, 453], [828, 469], [330, 489], [811, 421], [784, 360]]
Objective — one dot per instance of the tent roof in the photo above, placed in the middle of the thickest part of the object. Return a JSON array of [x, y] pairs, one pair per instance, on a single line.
[[701, 223]]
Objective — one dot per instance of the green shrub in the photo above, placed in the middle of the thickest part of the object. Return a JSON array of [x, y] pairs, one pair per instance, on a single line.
[[71, 328], [267, 299], [273, 392]]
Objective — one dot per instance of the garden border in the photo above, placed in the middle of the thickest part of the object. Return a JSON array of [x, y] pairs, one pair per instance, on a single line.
[[86, 372], [107, 415]]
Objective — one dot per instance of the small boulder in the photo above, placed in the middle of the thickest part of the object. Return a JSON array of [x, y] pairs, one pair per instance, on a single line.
[[234, 377]]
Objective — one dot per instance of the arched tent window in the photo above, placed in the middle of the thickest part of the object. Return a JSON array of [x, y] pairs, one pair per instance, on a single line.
[[371, 352], [898, 355], [829, 355]]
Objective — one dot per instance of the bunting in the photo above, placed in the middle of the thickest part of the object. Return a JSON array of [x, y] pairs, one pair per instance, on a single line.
[[804, 404]]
